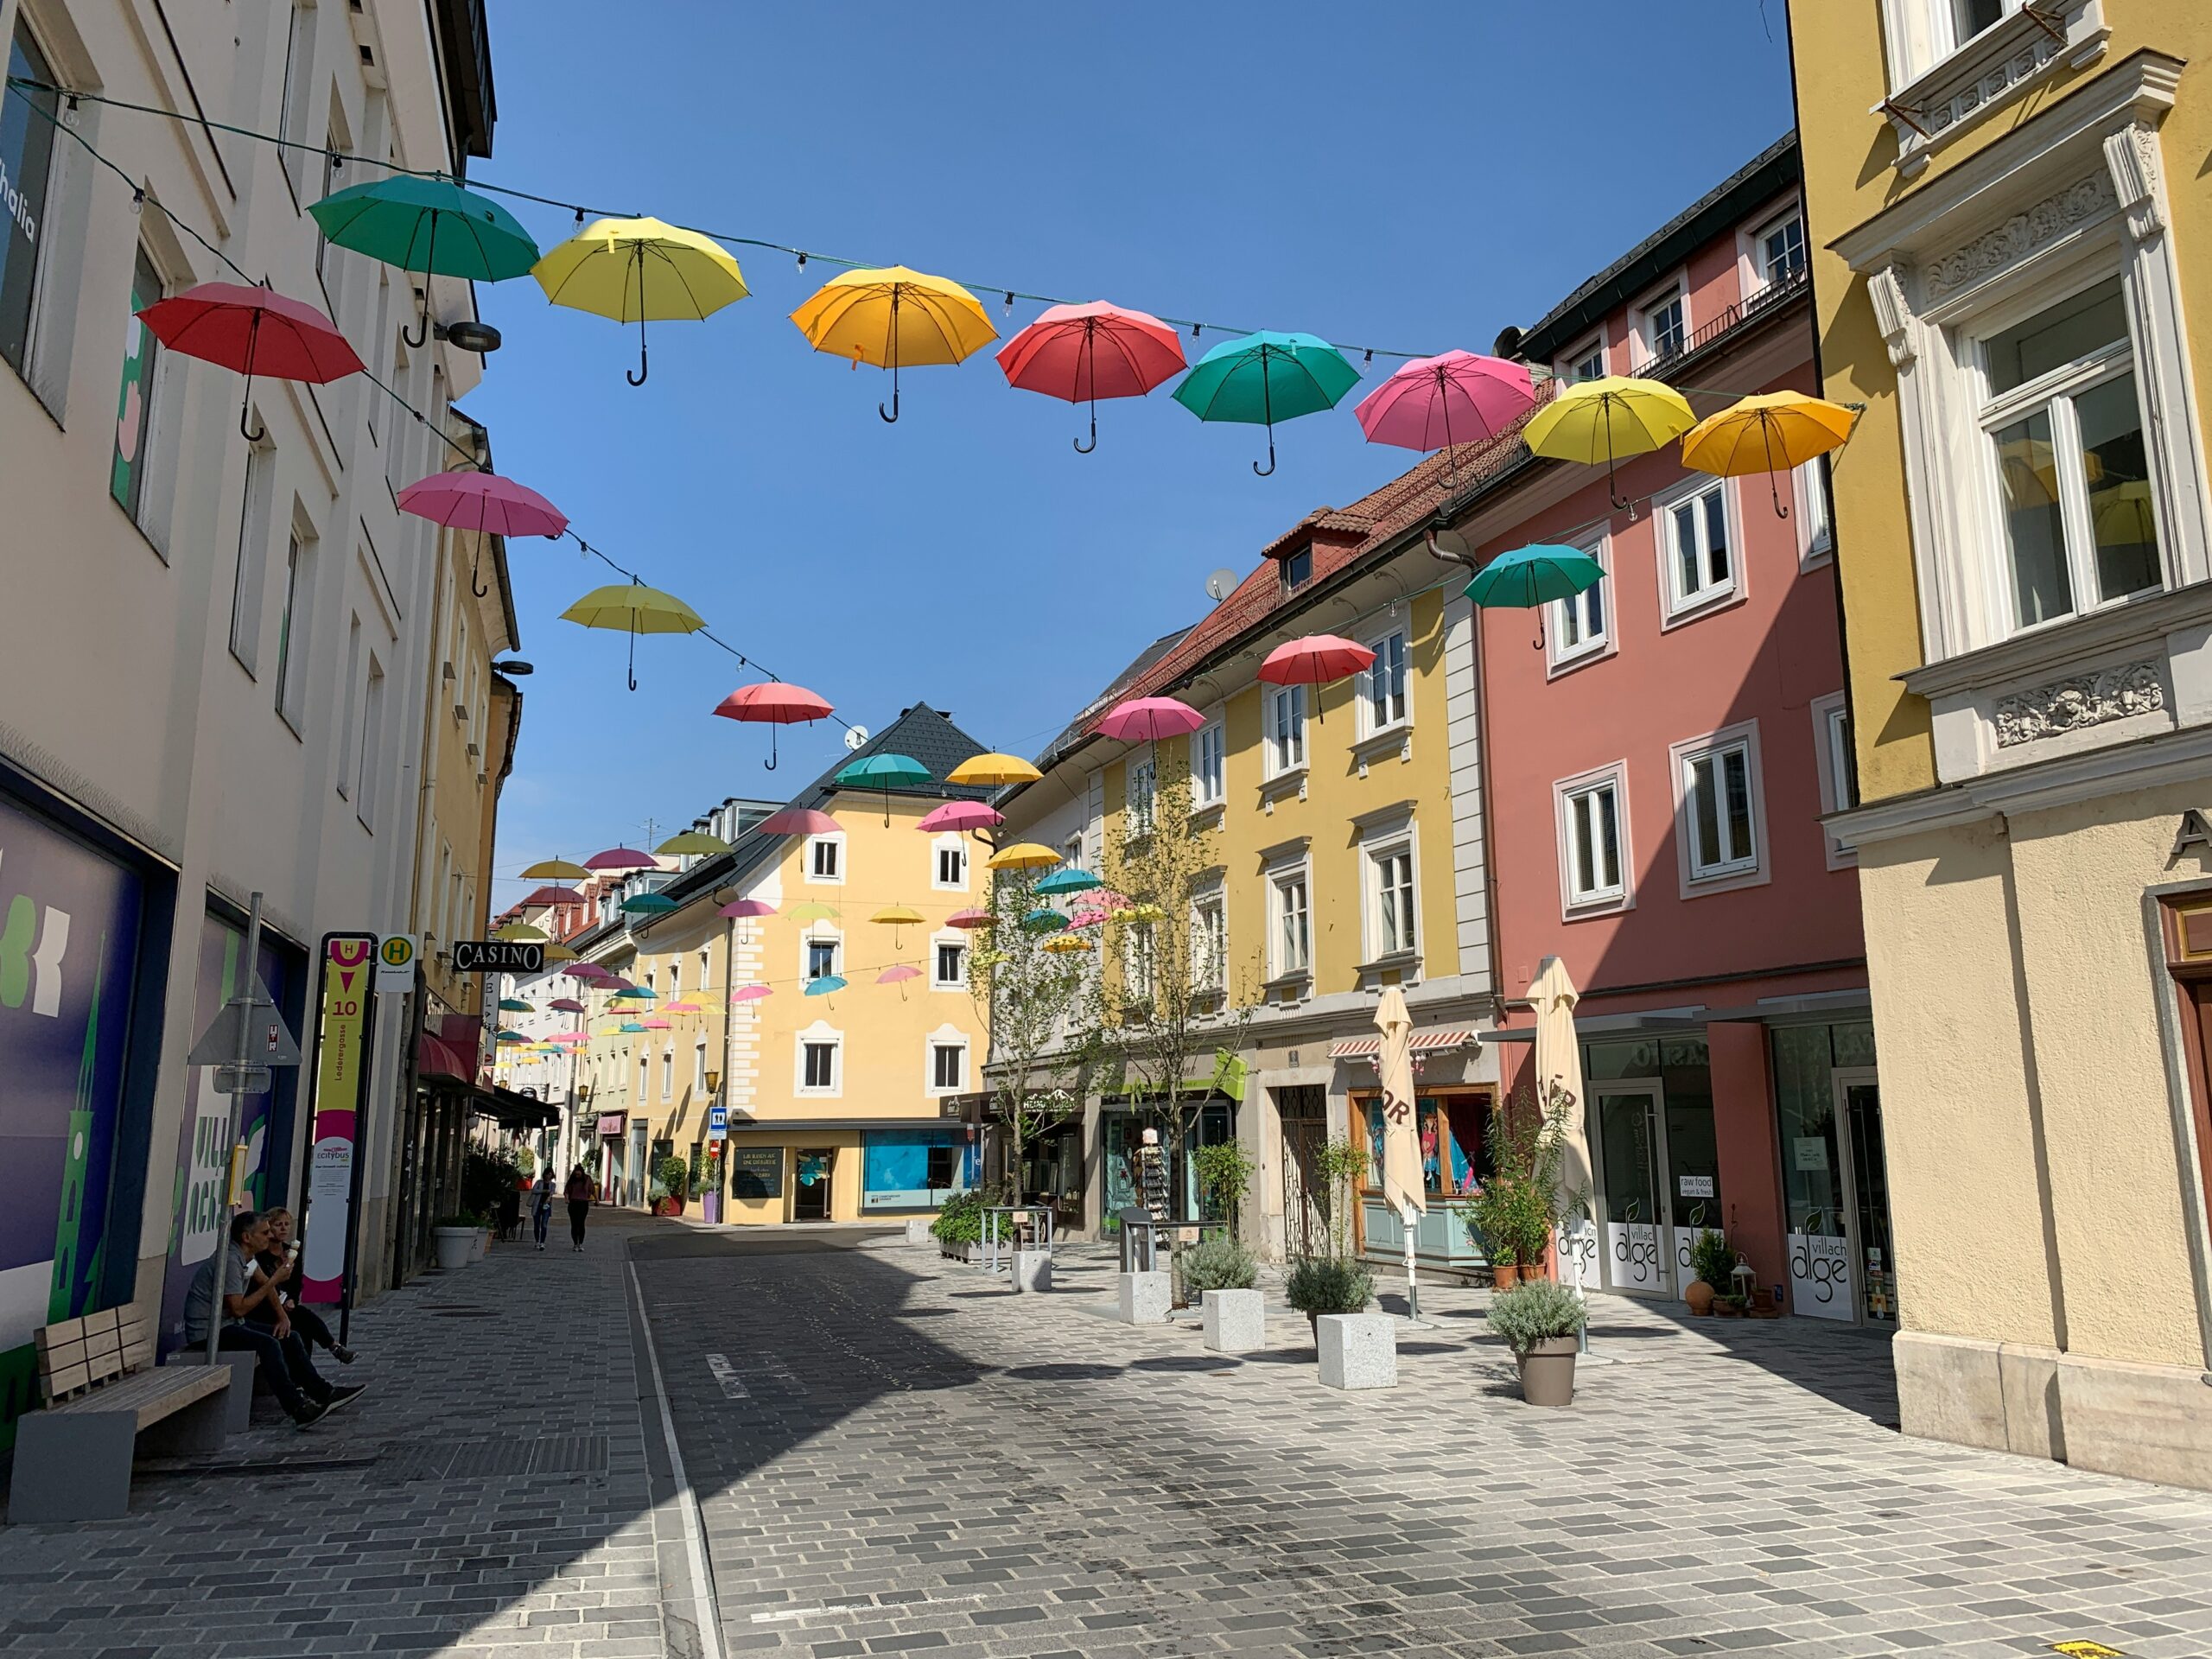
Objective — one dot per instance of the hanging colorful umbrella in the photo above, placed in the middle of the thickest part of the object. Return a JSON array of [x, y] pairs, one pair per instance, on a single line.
[[992, 771], [898, 916], [432, 225], [1531, 576], [1024, 855], [1608, 419], [971, 920], [1265, 378], [750, 993], [1438, 402], [798, 820], [679, 1007], [825, 985], [639, 271], [1042, 921], [515, 1004], [1315, 660], [1774, 432], [1080, 353], [743, 909], [654, 1022], [254, 331], [773, 703], [633, 608], [648, 904], [508, 1036], [1138, 719], [628, 1027], [897, 972], [634, 993], [692, 842], [566, 1005], [483, 502], [555, 869], [958, 816], [555, 951], [886, 772], [1068, 881], [543, 897], [621, 858], [1086, 918], [589, 971], [520, 933], [813, 911], [894, 315], [1068, 942]]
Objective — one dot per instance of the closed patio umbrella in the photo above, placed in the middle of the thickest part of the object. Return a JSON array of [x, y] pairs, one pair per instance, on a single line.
[[1558, 1081], [1401, 1176]]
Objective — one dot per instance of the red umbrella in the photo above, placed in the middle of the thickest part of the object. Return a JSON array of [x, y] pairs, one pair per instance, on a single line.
[[1142, 718], [970, 919], [797, 821], [554, 895], [773, 702], [254, 331], [566, 1005], [1084, 353], [621, 858], [1316, 659], [586, 970]]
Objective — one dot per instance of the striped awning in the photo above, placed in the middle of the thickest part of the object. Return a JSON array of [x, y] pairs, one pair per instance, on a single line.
[[1367, 1048]]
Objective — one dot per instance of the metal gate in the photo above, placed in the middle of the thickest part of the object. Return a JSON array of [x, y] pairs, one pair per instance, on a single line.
[[1305, 1196]]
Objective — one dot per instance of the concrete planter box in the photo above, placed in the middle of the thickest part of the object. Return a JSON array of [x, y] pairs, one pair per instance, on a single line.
[[483, 1244], [1358, 1350], [1236, 1320], [456, 1247], [917, 1230], [1145, 1297], [1547, 1371], [970, 1253], [1033, 1270]]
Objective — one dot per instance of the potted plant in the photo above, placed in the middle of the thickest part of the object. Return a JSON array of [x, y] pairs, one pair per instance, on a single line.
[[1541, 1322], [673, 1175], [1484, 1211], [1220, 1272], [454, 1239], [1712, 1260], [1328, 1284], [958, 1227]]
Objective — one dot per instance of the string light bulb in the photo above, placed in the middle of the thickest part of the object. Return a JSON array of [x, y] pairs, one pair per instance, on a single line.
[[802, 261], [1009, 301], [1194, 329]]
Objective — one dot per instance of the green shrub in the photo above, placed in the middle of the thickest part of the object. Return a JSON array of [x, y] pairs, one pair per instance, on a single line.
[[1536, 1311], [959, 1219], [1224, 1171], [1714, 1260], [1218, 1263], [1323, 1284], [673, 1173]]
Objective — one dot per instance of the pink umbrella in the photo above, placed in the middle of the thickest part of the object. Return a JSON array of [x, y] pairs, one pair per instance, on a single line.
[[739, 909], [565, 1004], [654, 1022], [960, 815], [679, 1007], [484, 503], [1434, 402], [1086, 918], [1082, 353], [1140, 719], [892, 976], [749, 992], [553, 895], [586, 970], [774, 703], [1316, 659], [798, 820], [621, 858], [971, 918]]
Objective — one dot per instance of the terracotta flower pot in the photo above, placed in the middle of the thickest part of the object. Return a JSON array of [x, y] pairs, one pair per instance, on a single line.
[[1547, 1372], [1698, 1295], [1505, 1274]]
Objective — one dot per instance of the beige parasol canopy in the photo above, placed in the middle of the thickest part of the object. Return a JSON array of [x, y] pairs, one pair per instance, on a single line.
[[1402, 1175], [1559, 1079]]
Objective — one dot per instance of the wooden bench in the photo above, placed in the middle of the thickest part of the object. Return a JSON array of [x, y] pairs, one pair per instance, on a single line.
[[104, 1401]]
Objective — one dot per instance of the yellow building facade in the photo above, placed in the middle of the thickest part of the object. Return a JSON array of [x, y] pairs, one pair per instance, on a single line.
[[2011, 234]]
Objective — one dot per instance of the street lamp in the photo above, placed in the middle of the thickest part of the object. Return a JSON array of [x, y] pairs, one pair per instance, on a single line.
[[714, 1082]]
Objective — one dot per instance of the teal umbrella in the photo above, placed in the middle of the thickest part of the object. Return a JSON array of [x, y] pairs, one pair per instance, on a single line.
[[427, 225], [825, 985], [1265, 378], [629, 1025], [1068, 881], [1530, 576], [1043, 921], [883, 771], [649, 904]]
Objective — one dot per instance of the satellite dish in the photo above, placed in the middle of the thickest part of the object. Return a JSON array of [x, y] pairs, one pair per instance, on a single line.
[[855, 736], [1221, 584]]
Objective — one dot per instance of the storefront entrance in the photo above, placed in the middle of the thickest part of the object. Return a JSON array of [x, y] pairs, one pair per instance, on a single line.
[[810, 1191], [1840, 1265], [1630, 1167], [1304, 1108], [1654, 1159]]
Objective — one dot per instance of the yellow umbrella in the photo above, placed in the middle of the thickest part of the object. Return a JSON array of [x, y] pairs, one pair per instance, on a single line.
[[559, 953], [1770, 433], [991, 770], [636, 270], [898, 916], [1064, 942], [555, 869], [812, 912], [894, 315], [631, 608], [1139, 914], [692, 840], [1606, 419], [520, 933], [1024, 855]]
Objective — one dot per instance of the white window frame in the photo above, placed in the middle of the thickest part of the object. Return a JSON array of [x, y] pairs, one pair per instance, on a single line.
[[1140, 961], [1291, 584], [1753, 278], [1210, 783], [958, 941], [1677, 607], [1838, 768], [820, 933], [1643, 352], [957, 846], [1376, 857], [1210, 941], [668, 1072], [1402, 718], [1576, 904], [821, 1033], [1814, 508], [1565, 365], [836, 840], [1140, 793], [1752, 867], [944, 1037], [1281, 761], [699, 1067], [1561, 657], [1279, 881]]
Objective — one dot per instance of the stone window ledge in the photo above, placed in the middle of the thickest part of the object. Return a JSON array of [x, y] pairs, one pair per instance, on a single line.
[[1992, 71]]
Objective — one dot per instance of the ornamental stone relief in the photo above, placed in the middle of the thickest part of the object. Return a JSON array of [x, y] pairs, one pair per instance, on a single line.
[[2079, 700], [2022, 234]]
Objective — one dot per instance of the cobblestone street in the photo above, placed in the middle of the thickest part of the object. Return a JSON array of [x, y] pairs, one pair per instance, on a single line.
[[893, 1455]]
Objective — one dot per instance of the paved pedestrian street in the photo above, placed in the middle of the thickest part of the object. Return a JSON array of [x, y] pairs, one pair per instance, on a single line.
[[894, 1455]]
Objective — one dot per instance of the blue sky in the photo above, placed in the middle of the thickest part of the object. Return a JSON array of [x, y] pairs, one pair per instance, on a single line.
[[1413, 177]]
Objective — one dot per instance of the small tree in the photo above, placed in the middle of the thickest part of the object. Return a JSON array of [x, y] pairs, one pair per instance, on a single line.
[[1040, 1007], [1225, 1172]]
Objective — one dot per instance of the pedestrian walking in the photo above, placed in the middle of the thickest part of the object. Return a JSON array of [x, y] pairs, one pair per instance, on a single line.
[[578, 1193], [541, 1205]]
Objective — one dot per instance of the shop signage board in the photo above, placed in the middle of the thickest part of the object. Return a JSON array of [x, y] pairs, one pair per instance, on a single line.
[[395, 964], [756, 1173], [717, 1122], [1810, 1152], [1819, 1275], [497, 956], [1695, 1186], [341, 1081]]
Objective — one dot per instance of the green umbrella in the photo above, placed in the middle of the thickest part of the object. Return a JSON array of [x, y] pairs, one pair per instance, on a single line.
[[1265, 378], [515, 1004], [649, 904], [1528, 576], [427, 225], [883, 771]]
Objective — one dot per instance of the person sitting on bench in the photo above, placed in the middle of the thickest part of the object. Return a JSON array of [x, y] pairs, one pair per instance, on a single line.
[[281, 1351], [280, 1263]]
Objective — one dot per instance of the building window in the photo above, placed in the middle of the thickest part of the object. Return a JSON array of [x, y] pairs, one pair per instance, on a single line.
[[1139, 954], [292, 630], [1387, 703], [699, 1067], [1970, 17], [1580, 625], [1716, 797], [947, 1067], [1593, 840], [1662, 325], [1700, 570], [1838, 768], [1586, 362], [668, 1074], [675, 979], [250, 578], [1390, 876], [27, 172], [952, 865], [949, 972], [365, 802], [821, 957], [818, 1055], [2061, 410], [299, 83], [1297, 569], [1816, 516], [1778, 248], [1209, 944], [1286, 729], [1143, 789], [825, 858], [1208, 766], [134, 410], [1294, 951]]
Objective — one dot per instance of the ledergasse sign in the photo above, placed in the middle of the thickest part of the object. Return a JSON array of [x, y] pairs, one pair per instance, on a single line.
[[342, 1075]]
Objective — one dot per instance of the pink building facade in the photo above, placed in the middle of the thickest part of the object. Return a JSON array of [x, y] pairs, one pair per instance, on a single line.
[[1658, 755]]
